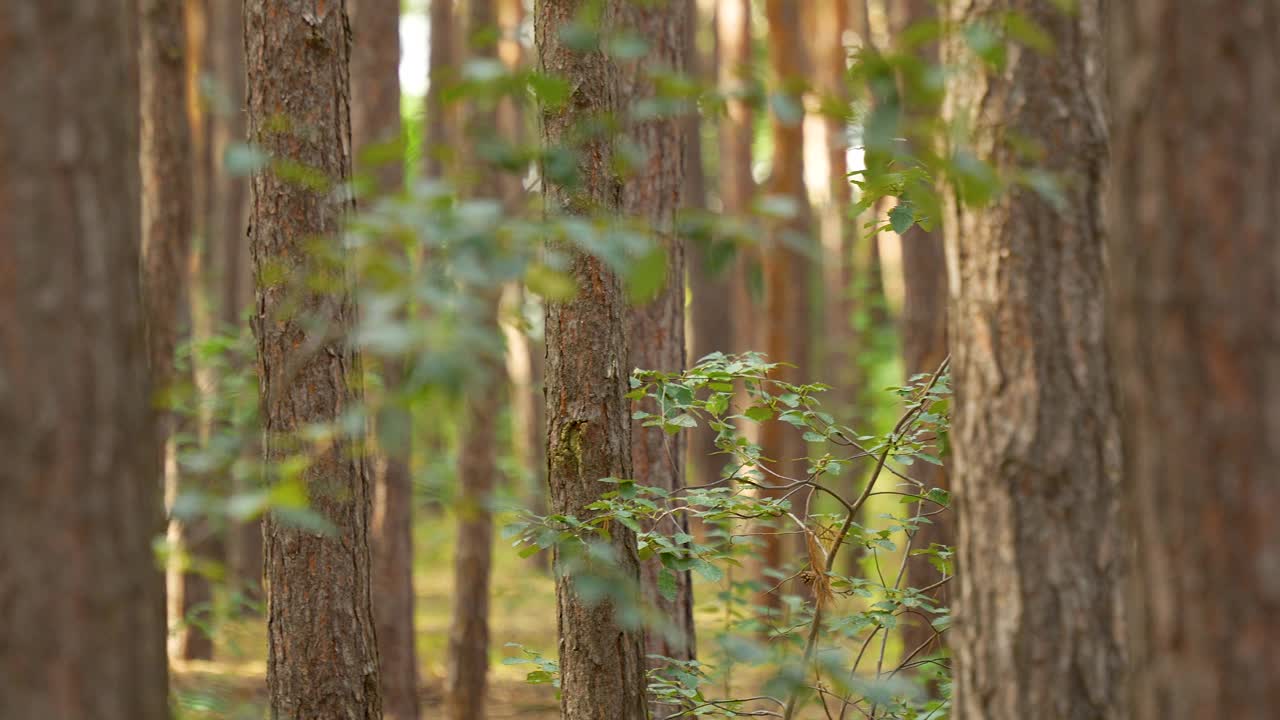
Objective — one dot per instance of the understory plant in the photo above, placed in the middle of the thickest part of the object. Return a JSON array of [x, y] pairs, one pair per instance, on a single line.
[[828, 641]]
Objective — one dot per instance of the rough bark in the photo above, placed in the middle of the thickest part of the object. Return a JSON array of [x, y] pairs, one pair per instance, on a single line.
[[322, 656], [783, 269], [652, 195], [1036, 457], [441, 72], [588, 422], [1193, 279], [923, 325], [83, 633], [166, 245], [375, 121]]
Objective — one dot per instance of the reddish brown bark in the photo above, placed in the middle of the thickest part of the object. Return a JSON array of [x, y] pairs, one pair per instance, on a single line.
[[375, 122], [651, 194], [83, 630], [166, 162], [783, 270], [1040, 552], [1194, 277], [737, 186], [923, 325], [588, 424], [322, 656], [478, 473], [441, 69]]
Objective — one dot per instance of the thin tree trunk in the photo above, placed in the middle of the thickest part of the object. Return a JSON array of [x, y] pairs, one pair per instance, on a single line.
[[322, 656], [656, 328], [166, 246], [1193, 276], [602, 662], [226, 231], [783, 271], [375, 120], [478, 472], [711, 287], [1036, 458], [829, 20], [737, 130], [441, 72], [83, 633], [923, 325]]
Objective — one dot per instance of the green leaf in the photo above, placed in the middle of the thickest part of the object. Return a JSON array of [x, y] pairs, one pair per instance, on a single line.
[[550, 284], [710, 572], [759, 413], [667, 584], [902, 217]]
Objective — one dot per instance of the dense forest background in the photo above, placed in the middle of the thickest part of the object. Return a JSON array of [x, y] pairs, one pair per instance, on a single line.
[[639, 359]]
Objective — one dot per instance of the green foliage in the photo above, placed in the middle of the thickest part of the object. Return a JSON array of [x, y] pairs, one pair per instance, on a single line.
[[842, 611]]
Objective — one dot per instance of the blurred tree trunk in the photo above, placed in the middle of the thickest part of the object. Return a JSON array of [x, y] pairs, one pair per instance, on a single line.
[[478, 473], [226, 233], [83, 633], [524, 351], [1193, 275], [166, 246], [710, 280], [737, 186], [829, 19], [322, 656], [375, 121], [1037, 630], [441, 70], [602, 661], [785, 272], [652, 195], [924, 319]]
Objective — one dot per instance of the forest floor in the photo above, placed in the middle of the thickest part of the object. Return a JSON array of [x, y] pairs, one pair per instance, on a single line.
[[522, 611]]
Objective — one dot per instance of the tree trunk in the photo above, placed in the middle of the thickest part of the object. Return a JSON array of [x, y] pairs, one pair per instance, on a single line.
[[375, 120], [737, 186], [602, 662], [783, 270], [651, 194], [322, 656], [1036, 457], [226, 231], [711, 287], [441, 72], [478, 471], [923, 325], [1193, 279], [83, 633], [166, 245]]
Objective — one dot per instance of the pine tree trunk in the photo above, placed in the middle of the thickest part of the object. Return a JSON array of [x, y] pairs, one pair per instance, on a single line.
[[441, 73], [322, 656], [83, 630], [166, 244], [1036, 459], [652, 194], [478, 473], [923, 327], [1194, 271], [737, 186], [602, 661], [226, 232], [710, 283], [784, 280], [375, 120]]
